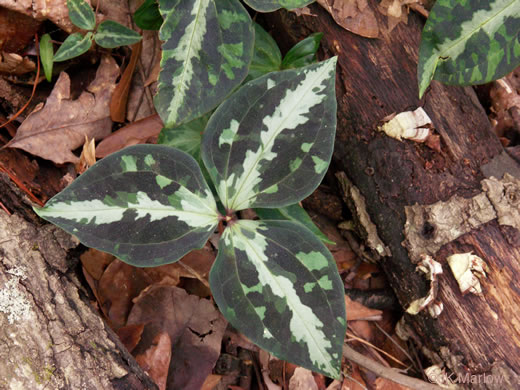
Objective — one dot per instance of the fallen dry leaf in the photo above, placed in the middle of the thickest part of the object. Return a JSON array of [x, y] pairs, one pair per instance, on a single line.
[[87, 157], [137, 132], [16, 30], [194, 325], [354, 381], [15, 64], [353, 15], [54, 130], [387, 384], [156, 359], [211, 382], [396, 11], [120, 95], [118, 286], [302, 379], [357, 311], [54, 10], [95, 262], [130, 335]]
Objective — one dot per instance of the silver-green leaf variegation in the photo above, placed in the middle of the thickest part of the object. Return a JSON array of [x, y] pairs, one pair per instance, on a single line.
[[273, 5], [278, 284], [469, 42], [111, 34], [148, 205], [81, 14], [208, 45], [74, 46], [270, 143]]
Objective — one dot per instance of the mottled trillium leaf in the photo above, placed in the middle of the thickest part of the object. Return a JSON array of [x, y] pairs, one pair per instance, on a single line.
[[81, 14], [146, 204], [273, 5], [294, 213], [111, 34], [208, 45], [469, 42], [270, 144], [279, 285], [74, 46], [266, 56]]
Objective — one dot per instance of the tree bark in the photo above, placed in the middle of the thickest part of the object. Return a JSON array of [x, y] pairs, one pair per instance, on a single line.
[[401, 183], [52, 338]]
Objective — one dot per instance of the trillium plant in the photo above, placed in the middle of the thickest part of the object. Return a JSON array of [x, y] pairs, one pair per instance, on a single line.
[[266, 146]]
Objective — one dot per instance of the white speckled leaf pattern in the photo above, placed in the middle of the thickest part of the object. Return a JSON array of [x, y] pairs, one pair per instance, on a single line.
[[469, 42], [147, 204], [278, 284], [270, 144], [208, 45]]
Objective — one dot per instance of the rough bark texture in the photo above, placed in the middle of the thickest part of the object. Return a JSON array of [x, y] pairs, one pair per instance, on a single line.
[[375, 78], [52, 338]]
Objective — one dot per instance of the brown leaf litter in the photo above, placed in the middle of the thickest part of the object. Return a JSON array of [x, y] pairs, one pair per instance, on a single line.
[[53, 130]]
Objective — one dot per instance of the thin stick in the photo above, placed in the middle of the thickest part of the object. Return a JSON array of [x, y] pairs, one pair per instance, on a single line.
[[376, 348], [5, 208], [395, 343], [386, 372]]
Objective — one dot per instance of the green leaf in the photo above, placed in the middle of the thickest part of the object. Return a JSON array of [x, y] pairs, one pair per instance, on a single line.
[[46, 54], [81, 14], [148, 16], [207, 50], [147, 204], [294, 213], [273, 5], [74, 46], [303, 53], [278, 284], [186, 137], [270, 144], [266, 57], [111, 34], [469, 42]]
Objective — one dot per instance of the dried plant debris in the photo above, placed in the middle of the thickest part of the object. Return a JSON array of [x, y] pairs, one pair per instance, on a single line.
[[15, 64], [505, 196], [432, 269], [54, 130], [356, 202], [354, 15], [467, 269], [429, 227], [412, 125]]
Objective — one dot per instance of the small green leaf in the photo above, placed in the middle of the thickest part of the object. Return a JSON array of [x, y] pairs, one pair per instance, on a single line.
[[186, 137], [469, 42], [147, 204], [303, 53], [278, 284], [111, 34], [273, 5], [294, 213], [266, 57], [81, 14], [148, 16], [46, 54], [269, 144], [74, 46], [208, 45]]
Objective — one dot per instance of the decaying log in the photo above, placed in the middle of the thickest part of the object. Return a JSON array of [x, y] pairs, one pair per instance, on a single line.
[[402, 183], [51, 337]]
